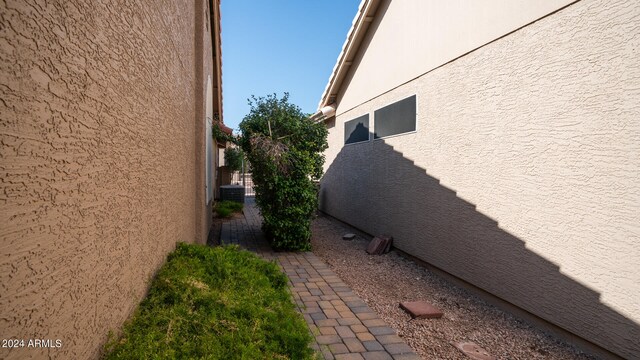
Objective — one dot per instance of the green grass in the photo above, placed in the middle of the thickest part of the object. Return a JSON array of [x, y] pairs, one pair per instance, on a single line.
[[215, 303], [227, 208]]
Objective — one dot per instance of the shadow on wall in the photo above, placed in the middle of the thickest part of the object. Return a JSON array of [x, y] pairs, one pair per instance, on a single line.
[[376, 189]]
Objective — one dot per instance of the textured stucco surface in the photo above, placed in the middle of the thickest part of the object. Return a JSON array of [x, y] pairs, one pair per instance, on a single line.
[[523, 176], [204, 69], [100, 162], [424, 34]]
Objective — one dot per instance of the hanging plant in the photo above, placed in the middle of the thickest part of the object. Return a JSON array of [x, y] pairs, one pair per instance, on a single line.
[[218, 134]]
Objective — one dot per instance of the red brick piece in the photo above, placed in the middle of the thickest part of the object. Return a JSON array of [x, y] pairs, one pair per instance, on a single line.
[[421, 310], [473, 351], [380, 245], [373, 246]]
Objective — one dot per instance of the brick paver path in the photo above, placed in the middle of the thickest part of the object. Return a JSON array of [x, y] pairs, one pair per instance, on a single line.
[[343, 325]]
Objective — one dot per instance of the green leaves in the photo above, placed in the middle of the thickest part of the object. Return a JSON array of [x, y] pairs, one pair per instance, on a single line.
[[215, 303], [220, 135], [233, 158], [285, 149], [226, 208]]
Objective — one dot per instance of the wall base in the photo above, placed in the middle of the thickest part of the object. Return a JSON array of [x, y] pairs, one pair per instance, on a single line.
[[570, 338]]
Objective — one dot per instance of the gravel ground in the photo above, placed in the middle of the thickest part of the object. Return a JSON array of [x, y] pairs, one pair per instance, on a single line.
[[385, 281]]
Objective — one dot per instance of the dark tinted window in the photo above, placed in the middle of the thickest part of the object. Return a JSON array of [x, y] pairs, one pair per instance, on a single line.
[[397, 118], [356, 130]]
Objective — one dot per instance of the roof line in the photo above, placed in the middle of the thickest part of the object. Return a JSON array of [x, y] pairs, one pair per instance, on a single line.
[[359, 27], [216, 50]]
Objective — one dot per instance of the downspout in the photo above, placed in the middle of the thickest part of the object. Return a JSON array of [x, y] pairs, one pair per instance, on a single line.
[[324, 113]]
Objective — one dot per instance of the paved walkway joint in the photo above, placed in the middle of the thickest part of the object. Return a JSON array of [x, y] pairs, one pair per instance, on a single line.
[[344, 326]]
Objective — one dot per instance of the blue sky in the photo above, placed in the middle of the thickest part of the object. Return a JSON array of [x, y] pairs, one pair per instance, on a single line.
[[273, 46]]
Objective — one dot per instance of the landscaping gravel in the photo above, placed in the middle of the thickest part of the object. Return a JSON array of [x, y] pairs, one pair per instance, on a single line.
[[385, 281]]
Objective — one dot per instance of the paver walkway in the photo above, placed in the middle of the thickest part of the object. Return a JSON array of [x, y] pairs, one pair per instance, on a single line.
[[343, 325]]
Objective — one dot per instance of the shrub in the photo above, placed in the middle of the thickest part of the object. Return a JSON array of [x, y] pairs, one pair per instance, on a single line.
[[233, 158], [226, 208], [215, 303], [285, 149]]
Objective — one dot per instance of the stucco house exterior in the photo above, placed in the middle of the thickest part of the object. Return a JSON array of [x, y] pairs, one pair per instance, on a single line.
[[498, 142], [106, 159]]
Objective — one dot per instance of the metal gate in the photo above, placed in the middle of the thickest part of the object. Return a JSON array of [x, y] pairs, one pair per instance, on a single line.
[[244, 179]]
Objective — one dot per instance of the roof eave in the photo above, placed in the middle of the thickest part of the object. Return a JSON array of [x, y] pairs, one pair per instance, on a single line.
[[216, 50], [359, 27]]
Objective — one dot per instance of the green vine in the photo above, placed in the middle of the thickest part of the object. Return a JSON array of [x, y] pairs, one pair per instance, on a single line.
[[219, 135]]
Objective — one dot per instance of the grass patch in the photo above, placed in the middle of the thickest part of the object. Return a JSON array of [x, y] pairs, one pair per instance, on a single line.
[[227, 208], [215, 303]]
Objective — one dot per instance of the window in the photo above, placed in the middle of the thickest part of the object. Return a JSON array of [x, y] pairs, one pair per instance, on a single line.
[[397, 118], [356, 130]]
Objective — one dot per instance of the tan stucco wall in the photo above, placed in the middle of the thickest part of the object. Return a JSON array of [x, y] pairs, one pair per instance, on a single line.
[[523, 176], [204, 69], [101, 162]]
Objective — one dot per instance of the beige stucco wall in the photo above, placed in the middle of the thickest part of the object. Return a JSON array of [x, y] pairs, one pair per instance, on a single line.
[[523, 176], [424, 34], [101, 162]]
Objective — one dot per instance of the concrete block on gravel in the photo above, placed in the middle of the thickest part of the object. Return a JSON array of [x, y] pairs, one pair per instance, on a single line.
[[421, 310], [380, 245]]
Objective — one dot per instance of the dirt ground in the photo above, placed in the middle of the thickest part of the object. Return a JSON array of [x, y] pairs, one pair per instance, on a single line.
[[385, 281]]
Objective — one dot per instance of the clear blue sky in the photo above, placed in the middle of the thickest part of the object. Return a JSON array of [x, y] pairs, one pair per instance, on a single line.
[[277, 46]]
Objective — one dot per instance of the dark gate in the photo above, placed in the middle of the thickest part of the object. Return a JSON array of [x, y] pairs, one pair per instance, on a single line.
[[244, 179]]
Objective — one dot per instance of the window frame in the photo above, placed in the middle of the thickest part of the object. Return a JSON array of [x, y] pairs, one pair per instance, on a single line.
[[369, 133], [375, 118]]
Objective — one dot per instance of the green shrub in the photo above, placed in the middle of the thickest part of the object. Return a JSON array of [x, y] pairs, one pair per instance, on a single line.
[[233, 158], [285, 149], [215, 303], [226, 208]]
